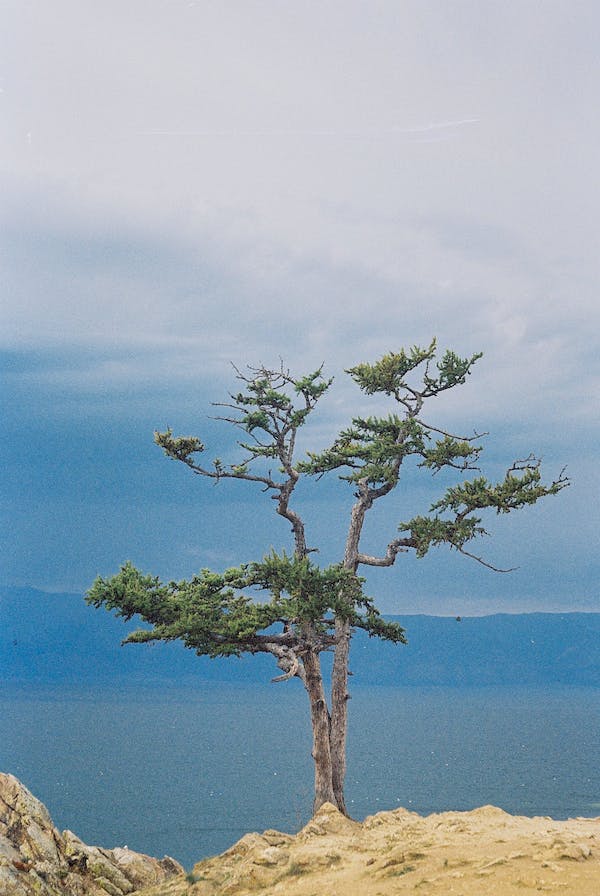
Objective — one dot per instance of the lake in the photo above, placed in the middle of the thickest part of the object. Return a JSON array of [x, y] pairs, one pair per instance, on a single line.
[[186, 771]]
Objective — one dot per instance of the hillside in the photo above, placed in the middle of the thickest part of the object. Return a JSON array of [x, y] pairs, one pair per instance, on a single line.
[[58, 638]]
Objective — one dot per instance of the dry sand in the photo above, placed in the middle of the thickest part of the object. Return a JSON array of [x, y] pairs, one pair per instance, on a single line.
[[485, 851]]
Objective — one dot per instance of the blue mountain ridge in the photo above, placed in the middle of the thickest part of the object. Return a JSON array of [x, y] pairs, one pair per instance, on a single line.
[[58, 639]]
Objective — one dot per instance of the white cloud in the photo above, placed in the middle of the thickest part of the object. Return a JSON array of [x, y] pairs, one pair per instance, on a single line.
[[171, 304]]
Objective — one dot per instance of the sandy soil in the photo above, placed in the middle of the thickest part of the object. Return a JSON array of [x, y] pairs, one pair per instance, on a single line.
[[485, 851]]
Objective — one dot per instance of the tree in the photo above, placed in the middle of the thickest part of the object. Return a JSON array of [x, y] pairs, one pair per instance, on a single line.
[[311, 609]]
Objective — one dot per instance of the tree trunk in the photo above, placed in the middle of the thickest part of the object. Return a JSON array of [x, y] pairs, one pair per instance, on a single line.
[[339, 712], [321, 724]]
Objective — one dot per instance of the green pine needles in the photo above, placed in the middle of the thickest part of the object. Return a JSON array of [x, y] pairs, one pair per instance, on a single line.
[[212, 616]]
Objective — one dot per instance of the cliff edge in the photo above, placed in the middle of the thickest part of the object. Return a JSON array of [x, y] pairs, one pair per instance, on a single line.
[[38, 860], [450, 854]]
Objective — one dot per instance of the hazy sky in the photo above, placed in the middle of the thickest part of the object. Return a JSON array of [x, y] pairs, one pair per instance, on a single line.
[[192, 183]]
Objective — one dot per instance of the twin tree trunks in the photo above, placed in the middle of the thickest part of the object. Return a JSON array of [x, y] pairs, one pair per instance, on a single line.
[[308, 609]]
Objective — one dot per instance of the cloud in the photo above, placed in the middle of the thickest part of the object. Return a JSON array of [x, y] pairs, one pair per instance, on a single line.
[[157, 306], [130, 309]]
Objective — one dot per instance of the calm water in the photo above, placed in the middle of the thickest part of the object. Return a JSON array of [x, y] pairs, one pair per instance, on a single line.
[[188, 771]]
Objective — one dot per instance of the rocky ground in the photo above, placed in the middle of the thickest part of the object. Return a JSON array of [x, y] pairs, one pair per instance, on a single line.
[[38, 860], [452, 854]]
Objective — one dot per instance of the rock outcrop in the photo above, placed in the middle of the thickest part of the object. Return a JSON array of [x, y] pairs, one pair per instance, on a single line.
[[38, 860], [391, 853]]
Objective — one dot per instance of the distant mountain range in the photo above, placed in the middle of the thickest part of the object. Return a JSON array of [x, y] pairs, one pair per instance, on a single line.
[[58, 639]]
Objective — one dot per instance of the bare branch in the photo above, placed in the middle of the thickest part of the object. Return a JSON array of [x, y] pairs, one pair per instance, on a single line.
[[229, 474], [451, 435], [531, 462], [291, 666], [395, 547], [272, 643], [284, 510], [484, 562]]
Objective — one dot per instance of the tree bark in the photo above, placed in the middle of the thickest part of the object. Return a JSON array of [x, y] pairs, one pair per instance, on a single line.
[[339, 676], [321, 724], [339, 712]]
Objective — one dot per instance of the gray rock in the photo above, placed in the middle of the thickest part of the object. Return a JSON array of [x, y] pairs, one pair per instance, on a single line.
[[38, 860]]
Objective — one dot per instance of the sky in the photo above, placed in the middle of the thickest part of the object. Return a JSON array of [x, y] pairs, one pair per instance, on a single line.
[[190, 183]]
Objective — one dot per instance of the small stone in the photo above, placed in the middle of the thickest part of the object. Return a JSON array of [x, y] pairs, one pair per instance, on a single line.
[[579, 852], [272, 855]]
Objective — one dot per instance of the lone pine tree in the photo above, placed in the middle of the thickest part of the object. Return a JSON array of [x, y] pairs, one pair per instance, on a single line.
[[310, 609]]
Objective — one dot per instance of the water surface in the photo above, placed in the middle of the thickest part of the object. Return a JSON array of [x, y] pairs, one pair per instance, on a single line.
[[187, 771]]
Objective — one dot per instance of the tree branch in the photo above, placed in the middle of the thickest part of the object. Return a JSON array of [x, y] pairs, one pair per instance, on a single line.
[[290, 665], [395, 547], [451, 435], [231, 474], [484, 562]]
